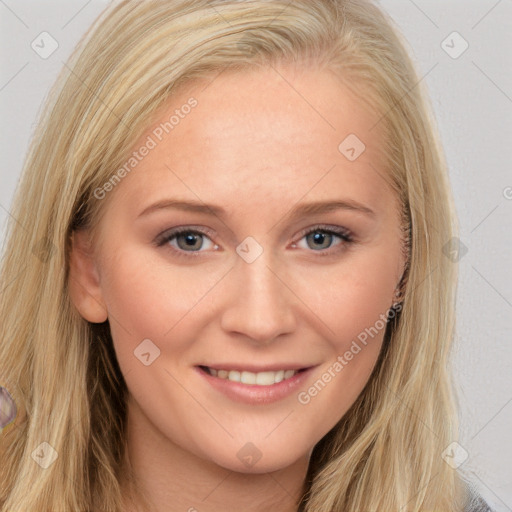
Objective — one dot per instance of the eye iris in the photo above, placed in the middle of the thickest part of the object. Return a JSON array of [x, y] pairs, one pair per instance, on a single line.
[[320, 237], [191, 241]]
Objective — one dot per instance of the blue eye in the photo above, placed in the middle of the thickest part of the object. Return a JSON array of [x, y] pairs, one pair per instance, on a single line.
[[186, 241], [321, 238]]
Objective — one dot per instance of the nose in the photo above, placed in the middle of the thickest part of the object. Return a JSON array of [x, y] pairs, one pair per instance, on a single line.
[[260, 302]]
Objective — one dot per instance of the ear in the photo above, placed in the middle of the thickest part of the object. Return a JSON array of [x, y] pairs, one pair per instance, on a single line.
[[84, 282]]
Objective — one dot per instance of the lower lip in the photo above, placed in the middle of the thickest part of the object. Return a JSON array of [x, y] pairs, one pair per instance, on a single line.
[[254, 394]]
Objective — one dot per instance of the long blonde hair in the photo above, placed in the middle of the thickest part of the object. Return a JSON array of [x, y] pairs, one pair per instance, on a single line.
[[385, 454]]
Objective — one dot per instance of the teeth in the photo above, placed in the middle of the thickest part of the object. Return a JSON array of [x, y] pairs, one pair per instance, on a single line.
[[248, 378], [289, 373], [279, 376], [234, 376], [260, 379], [265, 378]]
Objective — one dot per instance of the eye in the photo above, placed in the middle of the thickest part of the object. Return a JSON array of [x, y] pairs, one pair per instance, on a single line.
[[322, 239], [319, 238], [186, 240]]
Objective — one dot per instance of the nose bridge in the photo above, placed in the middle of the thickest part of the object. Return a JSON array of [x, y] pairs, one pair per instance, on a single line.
[[263, 288], [262, 305]]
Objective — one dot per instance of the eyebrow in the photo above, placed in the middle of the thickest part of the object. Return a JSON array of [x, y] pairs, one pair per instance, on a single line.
[[301, 210]]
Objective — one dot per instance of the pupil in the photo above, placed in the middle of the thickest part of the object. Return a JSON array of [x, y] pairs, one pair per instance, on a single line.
[[191, 241], [320, 238]]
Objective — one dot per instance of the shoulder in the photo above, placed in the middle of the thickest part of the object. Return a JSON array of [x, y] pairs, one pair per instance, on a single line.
[[475, 502]]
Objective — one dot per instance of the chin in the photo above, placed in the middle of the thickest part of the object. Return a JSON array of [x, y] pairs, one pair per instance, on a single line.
[[272, 464], [250, 459]]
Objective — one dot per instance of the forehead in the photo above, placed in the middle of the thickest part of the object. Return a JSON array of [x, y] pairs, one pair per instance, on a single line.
[[260, 135]]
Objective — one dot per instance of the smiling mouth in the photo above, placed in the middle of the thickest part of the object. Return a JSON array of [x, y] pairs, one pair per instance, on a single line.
[[267, 378]]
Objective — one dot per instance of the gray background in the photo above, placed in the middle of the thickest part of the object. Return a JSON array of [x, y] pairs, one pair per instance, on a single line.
[[472, 98]]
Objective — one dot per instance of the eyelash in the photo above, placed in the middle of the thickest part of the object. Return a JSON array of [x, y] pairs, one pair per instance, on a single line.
[[344, 234]]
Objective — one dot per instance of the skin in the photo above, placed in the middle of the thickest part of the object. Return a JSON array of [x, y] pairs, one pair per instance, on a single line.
[[258, 143]]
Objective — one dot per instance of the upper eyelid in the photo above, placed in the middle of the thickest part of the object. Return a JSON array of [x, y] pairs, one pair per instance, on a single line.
[[337, 230]]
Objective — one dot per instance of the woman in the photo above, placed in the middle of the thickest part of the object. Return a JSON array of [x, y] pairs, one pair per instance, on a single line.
[[233, 294]]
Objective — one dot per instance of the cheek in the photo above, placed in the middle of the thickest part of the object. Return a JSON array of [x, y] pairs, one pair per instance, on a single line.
[[357, 320], [352, 301], [350, 298], [149, 299]]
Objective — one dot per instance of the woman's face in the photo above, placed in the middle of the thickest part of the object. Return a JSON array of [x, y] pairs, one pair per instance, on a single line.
[[292, 266]]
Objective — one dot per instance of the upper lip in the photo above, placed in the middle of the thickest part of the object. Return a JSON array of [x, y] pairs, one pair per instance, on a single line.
[[274, 367]]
